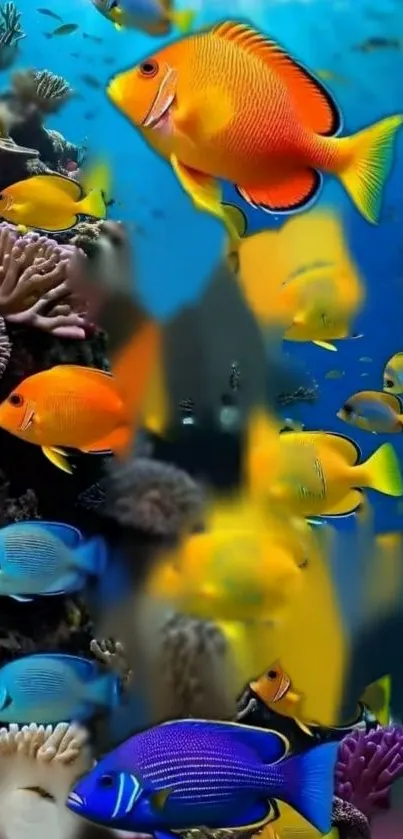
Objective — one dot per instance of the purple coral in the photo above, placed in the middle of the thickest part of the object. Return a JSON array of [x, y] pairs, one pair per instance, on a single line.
[[37, 284], [368, 764]]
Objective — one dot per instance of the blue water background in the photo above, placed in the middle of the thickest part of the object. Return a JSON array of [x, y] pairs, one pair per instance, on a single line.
[[322, 34]]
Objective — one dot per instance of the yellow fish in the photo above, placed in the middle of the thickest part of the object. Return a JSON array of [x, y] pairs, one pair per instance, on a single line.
[[302, 278], [245, 566], [393, 374], [275, 690], [290, 825], [49, 202], [377, 697], [315, 473]]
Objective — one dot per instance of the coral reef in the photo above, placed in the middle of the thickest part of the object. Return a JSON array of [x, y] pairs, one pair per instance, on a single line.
[[193, 668], [38, 766], [41, 88], [350, 822], [368, 764], [154, 497], [11, 33]]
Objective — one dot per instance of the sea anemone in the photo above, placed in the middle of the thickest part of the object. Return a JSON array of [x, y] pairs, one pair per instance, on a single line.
[[368, 764], [38, 767]]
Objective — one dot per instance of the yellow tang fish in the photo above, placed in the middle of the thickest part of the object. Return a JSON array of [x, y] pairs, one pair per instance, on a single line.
[[49, 202]]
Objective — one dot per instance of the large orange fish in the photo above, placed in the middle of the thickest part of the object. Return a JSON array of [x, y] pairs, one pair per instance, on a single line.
[[79, 407], [227, 103]]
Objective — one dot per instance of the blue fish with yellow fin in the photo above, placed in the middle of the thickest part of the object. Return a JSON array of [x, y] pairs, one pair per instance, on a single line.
[[50, 688], [47, 558], [187, 774]]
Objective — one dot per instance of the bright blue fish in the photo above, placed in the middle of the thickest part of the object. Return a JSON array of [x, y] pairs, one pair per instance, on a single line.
[[190, 773], [47, 558], [52, 688]]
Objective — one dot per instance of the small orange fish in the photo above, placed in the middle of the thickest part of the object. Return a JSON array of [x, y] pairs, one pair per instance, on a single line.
[[68, 406], [274, 689], [228, 103]]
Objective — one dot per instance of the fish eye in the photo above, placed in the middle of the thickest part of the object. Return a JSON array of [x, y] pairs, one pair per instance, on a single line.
[[348, 409], [389, 383], [106, 781], [16, 400], [149, 68], [272, 675]]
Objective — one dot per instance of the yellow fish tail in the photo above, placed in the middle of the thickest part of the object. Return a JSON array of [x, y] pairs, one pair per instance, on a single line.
[[366, 164], [383, 471], [98, 177], [183, 19], [93, 204]]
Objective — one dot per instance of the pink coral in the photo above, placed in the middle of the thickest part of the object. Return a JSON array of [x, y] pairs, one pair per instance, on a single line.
[[368, 764], [36, 284]]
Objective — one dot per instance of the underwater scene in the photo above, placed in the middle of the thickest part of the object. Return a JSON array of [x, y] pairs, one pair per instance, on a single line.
[[201, 416]]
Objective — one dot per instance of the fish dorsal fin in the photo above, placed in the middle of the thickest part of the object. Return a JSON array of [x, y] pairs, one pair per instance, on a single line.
[[344, 446], [314, 105], [392, 400], [89, 372], [67, 185]]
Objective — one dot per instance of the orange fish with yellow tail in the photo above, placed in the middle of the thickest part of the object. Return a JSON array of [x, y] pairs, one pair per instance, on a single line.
[[228, 103], [82, 408], [275, 690]]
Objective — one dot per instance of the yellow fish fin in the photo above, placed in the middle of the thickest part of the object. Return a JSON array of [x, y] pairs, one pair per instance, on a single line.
[[57, 458], [119, 27], [68, 186], [340, 443], [159, 798], [364, 163], [205, 193], [325, 345], [392, 400], [303, 727], [197, 118], [183, 19], [349, 504], [98, 177], [377, 697], [382, 471], [314, 105], [92, 205]]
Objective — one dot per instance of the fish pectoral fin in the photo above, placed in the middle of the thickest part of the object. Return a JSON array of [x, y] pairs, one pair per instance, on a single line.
[[21, 599], [205, 193], [58, 458], [293, 191], [159, 799], [199, 120], [325, 345], [303, 727]]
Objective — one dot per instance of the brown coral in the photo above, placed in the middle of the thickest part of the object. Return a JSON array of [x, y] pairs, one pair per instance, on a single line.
[[41, 88]]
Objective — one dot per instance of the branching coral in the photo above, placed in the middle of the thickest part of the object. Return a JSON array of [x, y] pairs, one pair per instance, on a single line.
[[38, 766], [11, 33], [35, 284], [47, 91], [368, 765]]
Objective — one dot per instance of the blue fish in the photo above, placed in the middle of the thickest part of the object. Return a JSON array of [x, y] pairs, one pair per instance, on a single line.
[[187, 774], [53, 688], [47, 558]]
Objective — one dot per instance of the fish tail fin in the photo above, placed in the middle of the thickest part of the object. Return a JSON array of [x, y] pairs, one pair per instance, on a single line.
[[90, 556], [383, 471], [98, 177], [183, 19], [101, 690], [366, 165], [307, 784], [93, 204], [118, 26]]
